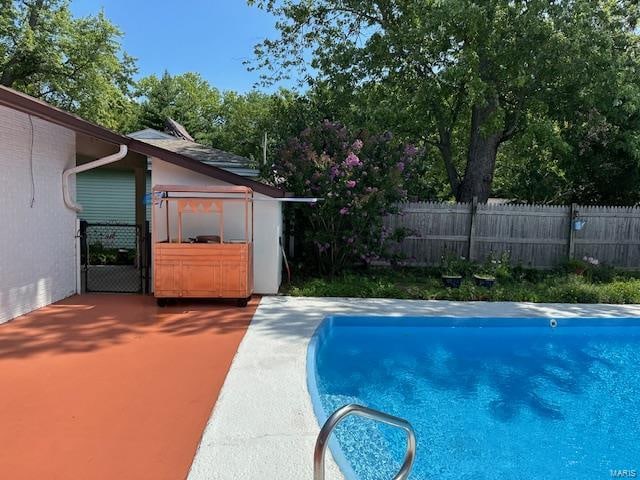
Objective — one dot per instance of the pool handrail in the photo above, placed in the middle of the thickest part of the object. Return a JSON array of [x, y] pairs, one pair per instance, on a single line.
[[354, 409]]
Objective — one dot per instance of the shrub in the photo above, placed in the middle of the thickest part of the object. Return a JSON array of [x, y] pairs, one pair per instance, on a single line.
[[425, 284], [497, 266], [600, 273], [360, 179], [574, 289], [575, 266], [452, 264], [591, 268]]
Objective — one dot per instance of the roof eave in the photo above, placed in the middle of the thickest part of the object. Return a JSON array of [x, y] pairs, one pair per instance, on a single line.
[[32, 106]]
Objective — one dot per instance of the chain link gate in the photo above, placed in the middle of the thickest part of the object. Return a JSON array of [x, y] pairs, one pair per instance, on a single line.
[[112, 258]]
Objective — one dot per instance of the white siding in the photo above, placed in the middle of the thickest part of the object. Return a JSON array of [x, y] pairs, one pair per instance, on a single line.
[[267, 256], [37, 244]]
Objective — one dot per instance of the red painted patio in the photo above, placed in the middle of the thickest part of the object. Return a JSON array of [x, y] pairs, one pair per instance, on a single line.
[[111, 386]]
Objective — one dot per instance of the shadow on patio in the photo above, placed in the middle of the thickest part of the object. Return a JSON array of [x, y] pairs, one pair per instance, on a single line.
[[111, 386], [89, 322]]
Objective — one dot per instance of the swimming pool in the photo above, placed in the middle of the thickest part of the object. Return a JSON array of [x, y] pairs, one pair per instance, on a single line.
[[489, 398]]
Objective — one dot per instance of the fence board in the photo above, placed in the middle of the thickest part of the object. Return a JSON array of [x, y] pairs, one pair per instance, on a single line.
[[535, 235]]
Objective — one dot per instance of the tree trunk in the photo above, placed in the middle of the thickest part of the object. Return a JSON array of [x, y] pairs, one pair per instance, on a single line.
[[481, 158], [478, 176], [447, 155], [6, 77]]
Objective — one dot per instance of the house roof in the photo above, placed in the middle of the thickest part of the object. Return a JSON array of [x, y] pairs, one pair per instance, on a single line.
[[197, 151], [32, 106], [151, 134]]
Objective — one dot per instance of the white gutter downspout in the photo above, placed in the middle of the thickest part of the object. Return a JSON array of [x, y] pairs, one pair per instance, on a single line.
[[68, 201]]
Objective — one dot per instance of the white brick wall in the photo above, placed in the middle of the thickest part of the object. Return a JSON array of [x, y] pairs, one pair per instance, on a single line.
[[37, 245]]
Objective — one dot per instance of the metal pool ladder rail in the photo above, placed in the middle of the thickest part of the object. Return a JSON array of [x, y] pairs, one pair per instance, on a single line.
[[353, 409]]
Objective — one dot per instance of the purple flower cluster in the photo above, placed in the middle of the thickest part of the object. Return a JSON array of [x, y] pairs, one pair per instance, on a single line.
[[352, 160], [410, 150], [357, 146], [322, 247]]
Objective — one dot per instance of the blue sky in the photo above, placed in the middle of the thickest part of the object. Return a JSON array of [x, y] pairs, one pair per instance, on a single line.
[[211, 37]]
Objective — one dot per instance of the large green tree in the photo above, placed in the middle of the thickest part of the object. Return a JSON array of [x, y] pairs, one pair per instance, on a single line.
[[186, 98], [75, 63], [228, 120], [462, 75], [247, 119]]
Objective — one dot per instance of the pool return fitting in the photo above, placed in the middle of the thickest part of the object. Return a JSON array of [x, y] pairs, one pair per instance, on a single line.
[[353, 409]]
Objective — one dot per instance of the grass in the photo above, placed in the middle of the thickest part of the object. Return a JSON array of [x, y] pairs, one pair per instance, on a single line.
[[519, 286]]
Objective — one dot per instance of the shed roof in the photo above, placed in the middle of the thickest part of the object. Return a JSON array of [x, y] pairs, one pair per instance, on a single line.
[[150, 134], [32, 106]]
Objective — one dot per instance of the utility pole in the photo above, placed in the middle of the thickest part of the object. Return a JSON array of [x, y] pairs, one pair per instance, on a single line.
[[264, 149]]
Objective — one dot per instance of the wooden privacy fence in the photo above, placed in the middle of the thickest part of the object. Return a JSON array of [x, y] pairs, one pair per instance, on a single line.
[[540, 236]]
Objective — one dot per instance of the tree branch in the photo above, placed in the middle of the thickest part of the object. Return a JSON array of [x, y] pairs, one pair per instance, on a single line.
[[372, 19], [511, 125], [34, 13]]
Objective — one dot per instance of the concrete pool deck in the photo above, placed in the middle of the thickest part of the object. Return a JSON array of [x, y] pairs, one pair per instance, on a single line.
[[263, 425]]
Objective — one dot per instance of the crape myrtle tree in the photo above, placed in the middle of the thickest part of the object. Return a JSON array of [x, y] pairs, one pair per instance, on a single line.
[[465, 73], [74, 63], [359, 179]]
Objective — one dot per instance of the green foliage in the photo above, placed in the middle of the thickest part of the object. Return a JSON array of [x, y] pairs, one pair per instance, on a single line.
[[424, 284], [74, 63], [467, 77], [601, 273], [591, 269], [576, 266], [496, 266], [454, 265], [187, 98], [101, 255], [530, 167], [226, 120]]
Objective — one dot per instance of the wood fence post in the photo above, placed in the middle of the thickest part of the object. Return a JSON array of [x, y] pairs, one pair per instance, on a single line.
[[472, 229], [573, 213]]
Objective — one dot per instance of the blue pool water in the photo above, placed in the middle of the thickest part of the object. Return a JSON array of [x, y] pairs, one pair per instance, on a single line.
[[489, 398]]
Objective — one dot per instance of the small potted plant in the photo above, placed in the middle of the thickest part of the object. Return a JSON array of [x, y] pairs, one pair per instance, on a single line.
[[451, 269], [486, 274]]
